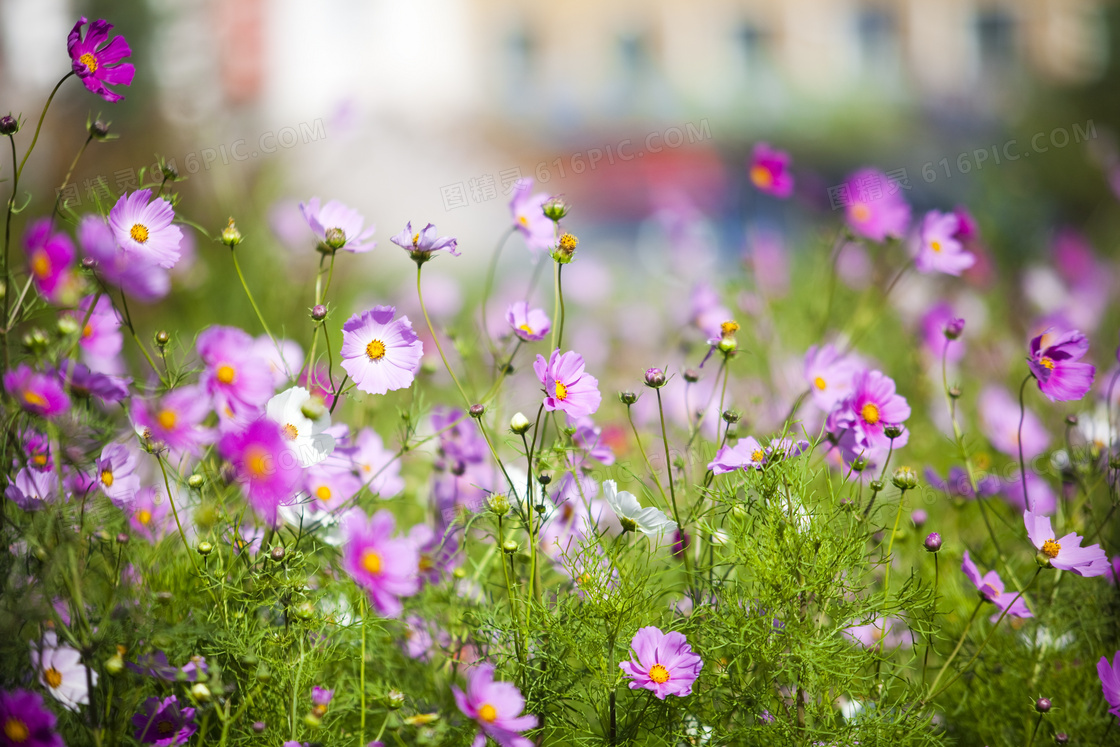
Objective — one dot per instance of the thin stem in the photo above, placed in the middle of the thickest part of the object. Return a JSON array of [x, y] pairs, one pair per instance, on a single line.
[[1019, 438], [560, 297], [488, 286], [42, 116], [175, 511], [362, 675], [555, 342], [65, 179], [435, 338], [960, 642], [645, 457], [672, 490], [1034, 733], [253, 303]]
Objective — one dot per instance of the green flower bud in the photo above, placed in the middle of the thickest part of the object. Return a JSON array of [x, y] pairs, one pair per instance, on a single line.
[[519, 424], [231, 237]]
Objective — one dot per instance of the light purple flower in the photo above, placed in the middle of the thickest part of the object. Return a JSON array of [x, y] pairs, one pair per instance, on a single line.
[[1043, 500], [84, 383], [175, 419], [875, 207], [151, 514], [234, 376], [330, 485], [421, 637], [889, 632], [588, 438], [936, 248], [956, 483], [1065, 553], [115, 474], [999, 419], [528, 324], [138, 277], [100, 338], [662, 663], [567, 386], [32, 489], [263, 463], [769, 171], [25, 722], [990, 587], [872, 405], [37, 393], [1110, 682], [98, 64], [829, 375], [422, 244], [380, 353], [50, 256], [337, 226], [378, 468], [386, 567], [1061, 376], [164, 722], [496, 707], [746, 454], [529, 218], [61, 671], [934, 322], [144, 229]]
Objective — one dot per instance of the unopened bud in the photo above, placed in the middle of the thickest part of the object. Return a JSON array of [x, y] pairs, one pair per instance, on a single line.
[[99, 130], [654, 378], [905, 478], [876, 486], [259, 727], [169, 172], [162, 337], [205, 548], [231, 237], [730, 416], [335, 238], [277, 553], [122, 538], [1042, 705], [955, 392], [933, 542], [627, 398], [555, 209], [691, 375], [477, 411], [9, 125], [509, 547], [394, 699], [498, 503], [313, 409], [200, 692], [318, 312], [114, 664], [1071, 419], [544, 478], [67, 325], [954, 328], [728, 345], [892, 431], [195, 481], [859, 464], [519, 424], [1061, 738]]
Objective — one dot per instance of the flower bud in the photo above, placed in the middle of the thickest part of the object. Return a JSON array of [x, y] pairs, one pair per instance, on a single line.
[[627, 398], [498, 503], [169, 172], [195, 481], [955, 392], [259, 727], [312, 720], [509, 547], [277, 553], [905, 478], [313, 408], [544, 478], [114, 664], [200, 692], [919, 517], [1061, 738], [231, 237], [1042, 705], [691, 375], [205, 548], [36, 339], [99, 130], [335, 238], [655, 378], [1071, 419], [555, 209], [262, 674], [933, 542], [162, 337], [394, 699], [730, 416], [519, 424], [477, 411], [9, 125], [1043, 560], [728, 345], [67, 325], [318, 312], [566, 249], [305, 611], [859, 464], [123, 538], [954, 329], [892, 431], [876, 486]]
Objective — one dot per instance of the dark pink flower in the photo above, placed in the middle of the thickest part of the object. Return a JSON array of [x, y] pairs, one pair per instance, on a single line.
[[1110, 682], [496, 707], [175, 419], [235, 377], [1065, 553], [151, 514], [875, 206], [991, 590], [385, 566], [662, 663], [101, 338], [37, 393], [869, 409], [567, 386], [50, 257], [1057, 367], [99, 64], [265, 465], [769, 171]]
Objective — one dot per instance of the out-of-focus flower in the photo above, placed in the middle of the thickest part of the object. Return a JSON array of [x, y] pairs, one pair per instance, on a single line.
[[115, 474], [529, 218], [305, 436], [32, 489], [50, 257], [175, 419], [378, 468], [151, 514], [496, 707], [61, 671], [100, 336], [235, 376], [769, 171], [829, 375], [139, 277], [385, 566], [337, 226], [37, 393], [1065, 553], [145, 229], [940, 333], [891, 631], [648, 521], [96, 63], [999, 419], [1110, 682], [936, 248], [663, 663], [875, 207], [1061, 376], [25, 722], [567, 386], [528, 324], [164, 722], [85, 383], [746, 454], [157, 666], [1043, 500], [267, 469], [990, 587], [380, 353]]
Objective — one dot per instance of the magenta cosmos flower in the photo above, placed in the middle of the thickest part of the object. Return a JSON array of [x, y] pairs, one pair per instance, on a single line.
[[49, 256], [265, 465], [174, 419], [164, 722], [1058, 368], [528, 324], [990, 586], [1066, 553], [663, 663], [496, 706], [24, 722], [1110, 682], [144, 228], [869, 409], [140, 278], [387, 567], [337, 226], [875, 207], [529, 218], [567, 386], [235, 376], [936, 247], [423, 243], [99, 64], [769, 171], [37, 393], [380, 353]]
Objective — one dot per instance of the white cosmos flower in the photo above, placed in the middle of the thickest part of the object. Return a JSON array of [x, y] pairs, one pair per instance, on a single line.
[[630, 513], [308, 441], [61, 671]]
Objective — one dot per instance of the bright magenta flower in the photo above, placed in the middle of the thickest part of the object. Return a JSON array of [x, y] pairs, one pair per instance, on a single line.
[[663, 663], [50, 257], [99, 64], [1058, 368], [175, 419], [496, 706], [265, 465], [387, 567], [567, 386], [25, 722], [875, 206], [235, 376], [38, 393], [1110, 682], [769, 171]]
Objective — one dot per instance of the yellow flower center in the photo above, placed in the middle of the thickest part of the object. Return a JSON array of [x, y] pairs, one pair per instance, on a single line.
[[861, 212], [1046, 362], [757, 455], [526, 329], [16, 731], [139, 233], [659, 674], [89, 61], [761, 176], [226, 373], [40, 264], [820, 383], [39, 459], [258, 462], [568, 242], [728, 328], [488, 713], [375, 351], [34, 399], [87, 331], [523, 220], [1051, 548], [870, 413], [144, 516], [416, 239], [935, 246], [323, 493], [53, 678], [167, 419], [107, 478], [371, 561], [290, 432], [561, 391]]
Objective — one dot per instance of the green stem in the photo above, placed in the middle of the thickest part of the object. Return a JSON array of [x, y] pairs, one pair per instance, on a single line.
[[488, 286], [38, 127], [435, 338], [1019, 438], [253, 303], [65, 179], [672, 490], [362, 675], [560, 301]]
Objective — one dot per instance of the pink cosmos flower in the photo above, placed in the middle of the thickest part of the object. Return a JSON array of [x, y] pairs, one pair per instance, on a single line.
[[50, 256], [872, 405], [265, 465], [529, 218], [1110, 682], [769, 171], [662, 663], [151, 514], [496, 707], [829, 375], [377, 467], [528, 324], [84, 383], [61, 671], [385, 566], [175, 419], [746, 454], [1043, 500], [380, 353], [889, 632], [990, 587], [284, 357], [101, 338], [37, 393], [1057, 367], [936, 248], [32, 489], [330, 485], [144, 229], [98, 64], [875, 206], [422, 244], [337, 226], [567, 386], [115, 474], [25, 722], [999, 419], [140, 278], [234, 375], [1065, 553]]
